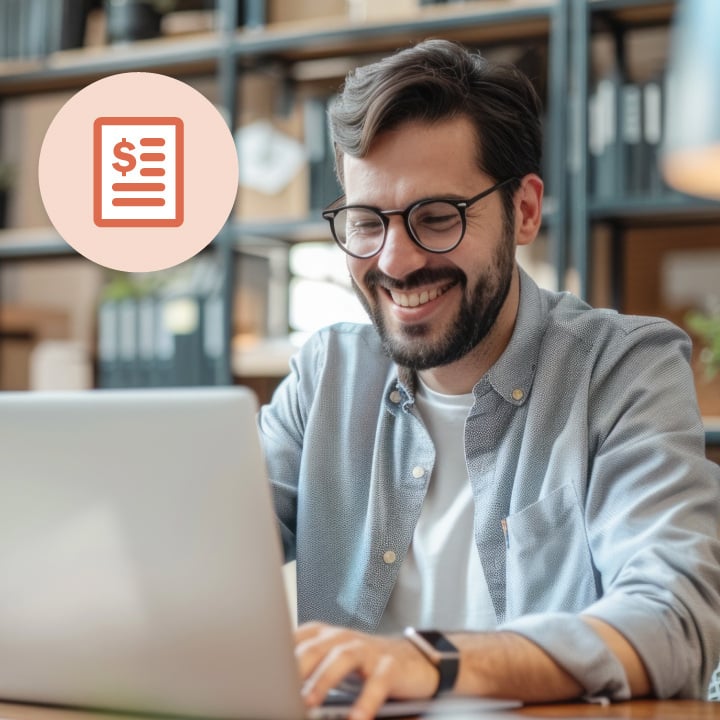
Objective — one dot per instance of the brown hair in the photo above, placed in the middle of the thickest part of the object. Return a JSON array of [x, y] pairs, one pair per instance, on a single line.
[[440, 80]]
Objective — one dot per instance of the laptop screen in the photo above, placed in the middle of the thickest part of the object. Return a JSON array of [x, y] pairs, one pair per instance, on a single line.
[[139, 555]]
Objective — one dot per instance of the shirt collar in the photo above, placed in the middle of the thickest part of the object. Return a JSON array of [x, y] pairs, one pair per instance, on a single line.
[[513, 373]]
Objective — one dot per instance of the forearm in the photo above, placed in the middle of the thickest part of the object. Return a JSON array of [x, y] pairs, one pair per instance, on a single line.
[[504, 664]]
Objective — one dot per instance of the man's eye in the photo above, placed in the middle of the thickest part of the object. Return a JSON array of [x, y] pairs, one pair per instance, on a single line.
[[364, 226], [439, 221], [436, 217]]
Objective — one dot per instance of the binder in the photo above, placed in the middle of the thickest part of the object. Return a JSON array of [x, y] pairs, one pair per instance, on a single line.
[[13, 22], [145, 370], [631, 134], [653, 101], [107, 348], [37, 37], [163, 374], [324, 185], [127, 351], [606, 170]]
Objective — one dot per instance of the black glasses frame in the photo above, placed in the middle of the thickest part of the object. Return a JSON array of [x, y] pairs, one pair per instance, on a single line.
[[330, 213]]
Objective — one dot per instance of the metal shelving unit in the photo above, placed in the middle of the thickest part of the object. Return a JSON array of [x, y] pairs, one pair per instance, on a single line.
[[618, 18], [567, 26], [671, 208], [229, 52]]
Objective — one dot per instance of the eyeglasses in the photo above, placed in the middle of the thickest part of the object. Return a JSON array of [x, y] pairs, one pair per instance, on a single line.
[[435, 224]]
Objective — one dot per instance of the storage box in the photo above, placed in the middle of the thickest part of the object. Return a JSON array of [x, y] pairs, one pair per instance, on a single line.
[[371, 10], [279, 11], [21, 328], [261, 105]]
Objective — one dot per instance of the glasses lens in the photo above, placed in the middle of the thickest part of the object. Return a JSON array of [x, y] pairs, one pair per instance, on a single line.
[[437, 225], [359, 231]]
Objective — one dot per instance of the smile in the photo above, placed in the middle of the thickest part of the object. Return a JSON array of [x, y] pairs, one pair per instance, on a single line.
[[417, 299]]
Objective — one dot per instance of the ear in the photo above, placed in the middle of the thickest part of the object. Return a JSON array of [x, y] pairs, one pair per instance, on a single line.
[[528, 209]]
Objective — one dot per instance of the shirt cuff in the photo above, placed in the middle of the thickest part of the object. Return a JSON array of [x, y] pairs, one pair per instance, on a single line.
[[578, 649]]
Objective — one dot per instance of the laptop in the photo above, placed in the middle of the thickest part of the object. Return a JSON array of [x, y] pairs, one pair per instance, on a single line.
[[140, 561]]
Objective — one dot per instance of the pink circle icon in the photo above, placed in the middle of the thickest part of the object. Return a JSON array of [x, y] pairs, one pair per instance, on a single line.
[[138, 172]]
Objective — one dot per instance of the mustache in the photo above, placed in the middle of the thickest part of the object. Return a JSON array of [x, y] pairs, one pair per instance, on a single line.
[[375, 278]]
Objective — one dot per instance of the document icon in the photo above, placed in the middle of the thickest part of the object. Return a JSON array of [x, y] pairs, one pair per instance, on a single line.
[[138, 172]]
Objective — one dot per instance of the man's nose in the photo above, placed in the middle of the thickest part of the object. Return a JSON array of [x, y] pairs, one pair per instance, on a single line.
[[400, 254]]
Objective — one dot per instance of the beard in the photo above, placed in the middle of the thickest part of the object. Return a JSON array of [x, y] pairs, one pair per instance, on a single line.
[[411, 346]]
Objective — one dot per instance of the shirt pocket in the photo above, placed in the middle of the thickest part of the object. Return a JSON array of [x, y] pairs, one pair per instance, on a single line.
[[548, 562]]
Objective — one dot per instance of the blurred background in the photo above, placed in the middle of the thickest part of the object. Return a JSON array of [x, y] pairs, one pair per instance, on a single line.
[[615, 231]]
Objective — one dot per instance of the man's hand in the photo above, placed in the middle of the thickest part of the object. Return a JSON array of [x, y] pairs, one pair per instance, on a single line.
[[389, 667], [492, 664]]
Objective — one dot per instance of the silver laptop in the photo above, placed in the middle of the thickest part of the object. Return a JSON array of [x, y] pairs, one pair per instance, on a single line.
[[140, 561]]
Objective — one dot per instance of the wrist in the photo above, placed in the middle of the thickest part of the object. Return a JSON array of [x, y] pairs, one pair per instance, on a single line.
[[439, 652]]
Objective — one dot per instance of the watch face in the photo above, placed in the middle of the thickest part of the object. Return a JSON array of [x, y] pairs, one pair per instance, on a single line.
[[437, 640], [440, 652]]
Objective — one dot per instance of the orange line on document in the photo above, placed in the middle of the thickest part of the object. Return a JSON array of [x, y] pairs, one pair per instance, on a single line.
[[139, 187], [152, 172], [152, 157], [152, 142], [138, 202]]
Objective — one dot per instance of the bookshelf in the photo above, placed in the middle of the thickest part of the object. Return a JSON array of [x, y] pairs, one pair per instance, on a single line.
[[246, 71], [640, 246], [272, 63]]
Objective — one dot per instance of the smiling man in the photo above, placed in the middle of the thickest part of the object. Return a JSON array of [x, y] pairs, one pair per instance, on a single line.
[[435, 301], [493, 489]]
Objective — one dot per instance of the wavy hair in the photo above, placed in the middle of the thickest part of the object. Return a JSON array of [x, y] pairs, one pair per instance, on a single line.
[[439, 80]]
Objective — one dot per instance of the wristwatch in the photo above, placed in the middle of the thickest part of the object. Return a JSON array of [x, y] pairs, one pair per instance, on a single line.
[[440, 652]]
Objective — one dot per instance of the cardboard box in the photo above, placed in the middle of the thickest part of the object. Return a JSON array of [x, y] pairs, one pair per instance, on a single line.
[[279, 11], [21, 328], [15, 353], [24, 121], [371, 10], [261, 102]]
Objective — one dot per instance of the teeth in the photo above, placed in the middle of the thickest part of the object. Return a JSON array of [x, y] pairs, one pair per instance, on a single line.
[[415, 299]]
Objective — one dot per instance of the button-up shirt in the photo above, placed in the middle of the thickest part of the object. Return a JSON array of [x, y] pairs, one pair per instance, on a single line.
[[592, 494]]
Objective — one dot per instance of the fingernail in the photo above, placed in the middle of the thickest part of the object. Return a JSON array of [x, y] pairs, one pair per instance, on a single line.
[[357, 714]]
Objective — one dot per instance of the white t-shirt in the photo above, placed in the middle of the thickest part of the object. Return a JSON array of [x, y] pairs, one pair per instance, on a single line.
[[441, 583]]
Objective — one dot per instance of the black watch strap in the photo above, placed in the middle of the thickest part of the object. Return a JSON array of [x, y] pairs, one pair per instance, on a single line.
[[440, 652], [448, 670]]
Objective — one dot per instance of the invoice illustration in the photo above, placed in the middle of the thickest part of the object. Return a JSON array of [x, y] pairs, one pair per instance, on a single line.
[[138, 172]]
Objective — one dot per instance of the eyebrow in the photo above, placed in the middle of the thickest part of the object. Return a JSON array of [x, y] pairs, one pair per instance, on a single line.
[[455, 197]]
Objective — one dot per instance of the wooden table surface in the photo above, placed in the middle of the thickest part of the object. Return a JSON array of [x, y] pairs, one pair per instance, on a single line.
[[641, 709], [645, 709]]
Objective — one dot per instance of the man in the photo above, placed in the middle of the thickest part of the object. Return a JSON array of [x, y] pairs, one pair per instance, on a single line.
[[487, 459]]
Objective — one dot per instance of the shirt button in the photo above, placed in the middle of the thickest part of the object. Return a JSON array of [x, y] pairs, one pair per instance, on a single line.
[[418, 472], [517, 394], [395, 397], [389, 557]]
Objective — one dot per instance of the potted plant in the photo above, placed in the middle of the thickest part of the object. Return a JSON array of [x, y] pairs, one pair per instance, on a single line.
[[706, 325]]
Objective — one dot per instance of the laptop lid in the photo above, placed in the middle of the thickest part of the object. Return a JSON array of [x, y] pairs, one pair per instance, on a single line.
[[139, 556], [140, 560]]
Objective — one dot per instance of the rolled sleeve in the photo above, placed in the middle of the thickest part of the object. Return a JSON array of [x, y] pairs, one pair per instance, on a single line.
[[578, 649], [652, 513]]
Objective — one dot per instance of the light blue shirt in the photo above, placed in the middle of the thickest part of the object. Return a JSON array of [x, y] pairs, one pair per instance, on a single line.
[[585, 451]]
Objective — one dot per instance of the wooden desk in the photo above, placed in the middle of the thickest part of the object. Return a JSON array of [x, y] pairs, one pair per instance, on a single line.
[[639, 709]]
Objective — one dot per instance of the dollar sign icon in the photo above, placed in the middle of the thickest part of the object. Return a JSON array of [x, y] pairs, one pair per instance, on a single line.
[[122, 152]]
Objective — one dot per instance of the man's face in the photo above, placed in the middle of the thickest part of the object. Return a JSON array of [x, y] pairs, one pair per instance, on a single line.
[[430, 309]]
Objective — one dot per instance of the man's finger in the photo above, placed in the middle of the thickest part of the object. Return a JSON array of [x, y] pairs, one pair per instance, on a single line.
[[308, 630], [375, 690], [337, 664]]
